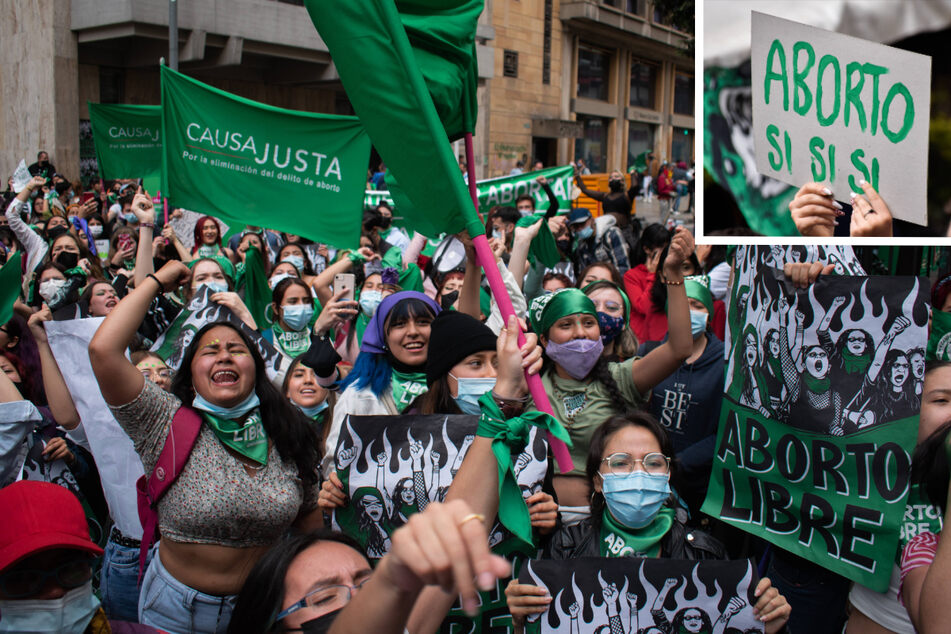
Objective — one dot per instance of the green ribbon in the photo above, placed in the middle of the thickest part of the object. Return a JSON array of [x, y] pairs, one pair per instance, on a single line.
[[248, 438], [855, 363], [816, 386], [543, 247], [406, 387], [642, 542], [548, 308], [509, 437]]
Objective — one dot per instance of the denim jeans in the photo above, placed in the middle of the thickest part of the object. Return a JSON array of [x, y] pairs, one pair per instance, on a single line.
[[119, 582], [170, 605], [818, 597]]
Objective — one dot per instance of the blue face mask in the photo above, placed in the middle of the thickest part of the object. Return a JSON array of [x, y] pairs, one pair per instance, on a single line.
[[369, 300], [229, 413], [215, 287], [71, 613], [297, 316], [295, 260], [635, 498], [470, 391], [698, 323], [584, 234], [611, 327], [498, 235], [130, 217], [276, 279], [311, 412]]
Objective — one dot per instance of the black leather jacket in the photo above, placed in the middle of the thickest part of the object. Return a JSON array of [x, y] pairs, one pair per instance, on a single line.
[[680, 542]]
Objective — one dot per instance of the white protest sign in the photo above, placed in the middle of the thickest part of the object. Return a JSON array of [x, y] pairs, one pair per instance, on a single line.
[[118, 464], [835, 109], [21, 177], [184, 226]]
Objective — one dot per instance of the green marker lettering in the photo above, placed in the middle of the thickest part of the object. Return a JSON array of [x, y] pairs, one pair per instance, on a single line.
[[824, 63], [817, 164], [776, 49], [898, 89], [799, 77], [875, 72], [853, 94], [857, 163], [788, 151], [775, 160]]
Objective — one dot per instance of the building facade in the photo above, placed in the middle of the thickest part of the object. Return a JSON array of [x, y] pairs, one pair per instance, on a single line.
[[559, 79]]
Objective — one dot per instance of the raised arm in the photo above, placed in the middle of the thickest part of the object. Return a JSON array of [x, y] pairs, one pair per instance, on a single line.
[[881, 351], [325, 278], [469, 295], [590, 193], [143, 209], [521, 243], [552, 199], [168, 232], [34, 244], [57, 394], [663, 360], [119, 380]]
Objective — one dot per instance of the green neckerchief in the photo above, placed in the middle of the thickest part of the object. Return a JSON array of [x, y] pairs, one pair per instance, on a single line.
[[248, 438], [293, 343], [816, 386], [855, 364], [509, 438], [637, 542], [361, 325], [406, 387], [543, 245], [207, 251]]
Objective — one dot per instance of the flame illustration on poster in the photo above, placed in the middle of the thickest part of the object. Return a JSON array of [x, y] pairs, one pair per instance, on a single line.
[[823, 388], [394, 466], [644, 596]]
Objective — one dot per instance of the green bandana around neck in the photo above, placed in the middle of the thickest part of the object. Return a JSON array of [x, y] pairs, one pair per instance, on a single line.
[[816, 386], [509, 438], [207, 251], [248, 438], [856, 363], [293, 343], [406, 387], [620, 541], [547, 309]]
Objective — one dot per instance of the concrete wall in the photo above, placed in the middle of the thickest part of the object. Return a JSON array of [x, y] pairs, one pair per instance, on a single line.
[[39, 78]]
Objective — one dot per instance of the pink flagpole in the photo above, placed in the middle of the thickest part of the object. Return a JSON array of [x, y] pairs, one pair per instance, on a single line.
[[486, 260], [165, 208]]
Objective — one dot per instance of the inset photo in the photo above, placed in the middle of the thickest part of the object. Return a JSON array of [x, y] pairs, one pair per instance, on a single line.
[[827, 118]]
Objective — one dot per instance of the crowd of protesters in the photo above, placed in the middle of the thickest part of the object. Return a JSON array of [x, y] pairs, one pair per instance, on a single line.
[[245, 544]]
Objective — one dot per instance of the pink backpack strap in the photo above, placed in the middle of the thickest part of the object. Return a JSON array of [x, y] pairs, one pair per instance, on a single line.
[[182, 435]]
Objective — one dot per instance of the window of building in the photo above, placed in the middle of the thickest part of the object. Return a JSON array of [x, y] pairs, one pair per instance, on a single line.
[[510, 63], [683, 94], [643, 84], [593, 68], [640, 139], [593, 147], [681, 145]]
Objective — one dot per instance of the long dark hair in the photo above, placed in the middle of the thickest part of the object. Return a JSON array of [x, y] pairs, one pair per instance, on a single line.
[[659, 288], [599, 440], [653, 236], [929, 463], [262, 595], [293, 436], [28, 353], [437, 399]]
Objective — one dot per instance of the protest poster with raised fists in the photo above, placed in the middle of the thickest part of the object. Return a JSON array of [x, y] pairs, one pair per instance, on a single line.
[[643, 596], [837, 110], [820, 414]]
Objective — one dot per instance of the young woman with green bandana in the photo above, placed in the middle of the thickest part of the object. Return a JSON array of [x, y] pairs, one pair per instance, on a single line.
[[585, 389], [251, 474], [294, 315], [628, 467]]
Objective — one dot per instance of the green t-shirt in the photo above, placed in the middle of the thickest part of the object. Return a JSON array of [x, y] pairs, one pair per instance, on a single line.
[[581, 406]]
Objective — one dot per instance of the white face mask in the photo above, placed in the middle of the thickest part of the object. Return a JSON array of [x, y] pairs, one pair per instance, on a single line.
[[52, 290], [70, 613], [95, 230]]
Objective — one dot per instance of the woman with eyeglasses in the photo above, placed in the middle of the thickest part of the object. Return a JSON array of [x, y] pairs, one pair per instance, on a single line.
[[614, 315], [153, 368], [633, 515]]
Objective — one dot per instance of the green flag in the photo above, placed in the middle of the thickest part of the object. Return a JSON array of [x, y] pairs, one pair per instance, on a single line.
[[939, 340], [128, 142], [250, 163], [10, 276], [368, 40]]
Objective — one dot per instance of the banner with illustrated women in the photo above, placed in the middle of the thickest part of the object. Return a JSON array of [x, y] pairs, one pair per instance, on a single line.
[[644, 596], [823, 389]]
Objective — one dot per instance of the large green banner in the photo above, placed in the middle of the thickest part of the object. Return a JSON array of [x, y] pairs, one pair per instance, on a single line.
[[250, 163], [823, 388], [128, 141]]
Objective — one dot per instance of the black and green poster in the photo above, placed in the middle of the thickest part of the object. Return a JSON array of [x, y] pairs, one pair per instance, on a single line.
[[820, 415]]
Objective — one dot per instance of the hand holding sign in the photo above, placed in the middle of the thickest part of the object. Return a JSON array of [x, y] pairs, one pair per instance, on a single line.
[[871, 217], [815, 211]]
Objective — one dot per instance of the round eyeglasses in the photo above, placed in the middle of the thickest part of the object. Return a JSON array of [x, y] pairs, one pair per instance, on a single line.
[[624, 463]]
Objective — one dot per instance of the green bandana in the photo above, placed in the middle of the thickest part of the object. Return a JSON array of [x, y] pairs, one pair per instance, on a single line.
[[610, 284], [225, 264], [292, 343], [406, 387], [207, 251], [855, 364], [509, 438], [698, 287], [543, 246], [620, 541], [249, 438], [549, 308], [816, 386]]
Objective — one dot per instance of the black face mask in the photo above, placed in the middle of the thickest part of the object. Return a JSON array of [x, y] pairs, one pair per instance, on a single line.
[[55, 232], [321, 624], [448, 299], [67, 260], [616, 185], [385, 223]]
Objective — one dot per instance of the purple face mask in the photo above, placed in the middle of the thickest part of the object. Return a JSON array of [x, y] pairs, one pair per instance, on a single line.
[[577, 356]]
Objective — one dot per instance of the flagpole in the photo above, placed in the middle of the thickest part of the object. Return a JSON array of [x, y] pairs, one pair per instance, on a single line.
[[486, 260]]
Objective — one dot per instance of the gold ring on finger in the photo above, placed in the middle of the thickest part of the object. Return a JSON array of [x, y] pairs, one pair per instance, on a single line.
[[472, 516]]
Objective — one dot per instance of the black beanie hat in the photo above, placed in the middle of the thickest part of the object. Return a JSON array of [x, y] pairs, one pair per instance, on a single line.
[[452, 338]]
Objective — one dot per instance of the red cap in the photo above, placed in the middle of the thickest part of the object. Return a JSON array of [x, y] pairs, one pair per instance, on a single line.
[[40, 516]]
